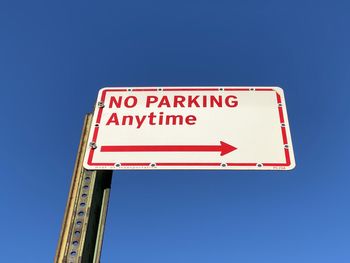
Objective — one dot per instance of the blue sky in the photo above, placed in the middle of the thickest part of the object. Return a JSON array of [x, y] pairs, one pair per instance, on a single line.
[[55, 56]]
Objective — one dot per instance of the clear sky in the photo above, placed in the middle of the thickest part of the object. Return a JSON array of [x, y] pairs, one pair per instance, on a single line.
[[55, 56]]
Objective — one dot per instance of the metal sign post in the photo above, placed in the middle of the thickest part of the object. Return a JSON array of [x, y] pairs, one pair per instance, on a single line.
[[85, 215]]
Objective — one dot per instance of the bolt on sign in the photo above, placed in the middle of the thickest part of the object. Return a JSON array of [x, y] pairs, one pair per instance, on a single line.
[[237, 128]]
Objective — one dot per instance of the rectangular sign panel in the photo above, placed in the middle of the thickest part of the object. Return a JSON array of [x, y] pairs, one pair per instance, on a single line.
[[240, 128]]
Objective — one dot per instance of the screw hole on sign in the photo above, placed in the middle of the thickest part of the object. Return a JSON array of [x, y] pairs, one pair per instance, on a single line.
[[223, 165], [117, 165], [160, 89], [96, 125], [153, 165], [93, 145], [283, 125], [252, 89], [221, 89], [100, 104], [129, 89], [259, 165], [279, 104], [286, 146]]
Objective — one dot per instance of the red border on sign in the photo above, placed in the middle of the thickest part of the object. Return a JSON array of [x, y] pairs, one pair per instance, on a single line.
[[280, 111]]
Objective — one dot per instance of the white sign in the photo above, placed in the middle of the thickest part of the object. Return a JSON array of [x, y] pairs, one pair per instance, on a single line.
[[243, 128]]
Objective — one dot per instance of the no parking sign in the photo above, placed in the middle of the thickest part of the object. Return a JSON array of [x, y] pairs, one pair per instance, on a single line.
[[190, 128]]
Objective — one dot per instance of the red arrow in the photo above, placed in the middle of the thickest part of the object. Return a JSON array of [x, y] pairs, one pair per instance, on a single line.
[[223, 148]]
